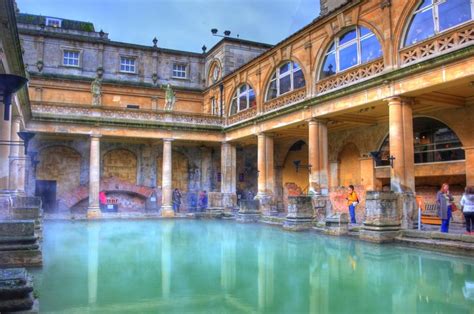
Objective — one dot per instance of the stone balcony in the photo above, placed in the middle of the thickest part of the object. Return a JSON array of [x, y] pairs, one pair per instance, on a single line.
[[49, 111]]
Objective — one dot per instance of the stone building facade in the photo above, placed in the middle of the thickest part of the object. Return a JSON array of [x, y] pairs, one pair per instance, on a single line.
[[363, 95]]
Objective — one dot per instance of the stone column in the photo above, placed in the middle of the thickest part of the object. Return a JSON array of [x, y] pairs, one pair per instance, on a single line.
[[5, 131], [167, 181], [402, 174], [228, 175], [93, 211], [469, 153], [206, 169], [318, 156], [262, 168], [17, 160], [270, 165]]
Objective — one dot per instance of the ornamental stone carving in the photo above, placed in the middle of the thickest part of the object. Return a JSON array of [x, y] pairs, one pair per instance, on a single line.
[[96, 90]]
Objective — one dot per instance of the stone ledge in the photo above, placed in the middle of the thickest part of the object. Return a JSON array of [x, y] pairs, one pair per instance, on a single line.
[[445, 246]]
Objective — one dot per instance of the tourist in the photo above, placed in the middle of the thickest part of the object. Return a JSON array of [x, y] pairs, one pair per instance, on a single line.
[[202, 201], [102, 200], [444, 200], [352, 201], [176, 200], [467, 206]]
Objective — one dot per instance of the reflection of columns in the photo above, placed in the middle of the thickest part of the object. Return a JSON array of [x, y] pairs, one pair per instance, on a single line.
[[469, 153], [167, 181], [94, 178], [262, 167], [92, 261], [228, 261], [270, 164], [166, 258], [5, 129], [265, 276], [17, 160], [402, 174], [318, 155]]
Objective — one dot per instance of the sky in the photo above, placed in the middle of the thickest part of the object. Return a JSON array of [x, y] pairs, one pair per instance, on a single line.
[[183, 24]]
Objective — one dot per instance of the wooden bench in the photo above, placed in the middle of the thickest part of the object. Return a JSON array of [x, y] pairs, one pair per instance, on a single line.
[[429, 216]]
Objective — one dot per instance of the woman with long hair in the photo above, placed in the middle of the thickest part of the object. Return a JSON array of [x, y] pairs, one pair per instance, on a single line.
[[444, 199], [467, 206]]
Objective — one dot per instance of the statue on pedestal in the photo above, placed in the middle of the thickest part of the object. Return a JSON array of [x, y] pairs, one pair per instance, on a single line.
[[170, 97], [96, 90]]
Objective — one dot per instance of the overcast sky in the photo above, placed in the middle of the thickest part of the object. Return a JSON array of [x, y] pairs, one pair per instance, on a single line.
[[183, 24]]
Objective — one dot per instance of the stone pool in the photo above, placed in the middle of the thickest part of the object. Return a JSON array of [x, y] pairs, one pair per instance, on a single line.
[[206, 266]]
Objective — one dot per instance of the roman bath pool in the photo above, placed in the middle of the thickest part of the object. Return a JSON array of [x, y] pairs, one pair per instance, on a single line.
[[205, 266]]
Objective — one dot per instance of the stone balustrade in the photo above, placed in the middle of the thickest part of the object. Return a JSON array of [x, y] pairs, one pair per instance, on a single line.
[[444, 42], [49, 110], [242, 116], [284, 100]]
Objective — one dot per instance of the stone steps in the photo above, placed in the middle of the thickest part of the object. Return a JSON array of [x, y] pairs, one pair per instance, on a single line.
[[15, 290]]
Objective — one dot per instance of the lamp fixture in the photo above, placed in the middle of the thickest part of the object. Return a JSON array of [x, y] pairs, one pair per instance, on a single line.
[[10, 84]]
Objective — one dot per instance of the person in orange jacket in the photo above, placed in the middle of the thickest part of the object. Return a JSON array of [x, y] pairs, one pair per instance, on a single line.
[[352, 201]]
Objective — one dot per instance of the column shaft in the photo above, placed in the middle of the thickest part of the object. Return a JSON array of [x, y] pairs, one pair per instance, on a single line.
[[262, 168], [228, 168], [94, 178], [402, 174], [5, 131], [318, 156], [167, 181], [17, 159], [469, 153], [270, 165]]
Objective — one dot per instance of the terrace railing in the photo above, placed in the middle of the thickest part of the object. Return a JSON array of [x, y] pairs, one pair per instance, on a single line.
[[242, 116], [284, 100]]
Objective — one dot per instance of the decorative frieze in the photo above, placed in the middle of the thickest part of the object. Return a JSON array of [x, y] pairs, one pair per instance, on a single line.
[[242, 116], [285, 100], [351, 76], [442, 43]]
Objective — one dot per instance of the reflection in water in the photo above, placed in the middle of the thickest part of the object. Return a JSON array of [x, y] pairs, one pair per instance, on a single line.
[[201, 266]]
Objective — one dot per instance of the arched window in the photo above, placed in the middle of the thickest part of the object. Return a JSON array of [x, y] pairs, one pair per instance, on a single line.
[[433, 142], [356, 46], [434, 16], [244, 98], [286, 78]]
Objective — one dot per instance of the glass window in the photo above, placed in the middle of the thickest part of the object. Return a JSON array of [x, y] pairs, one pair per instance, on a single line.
[[433, 17], [357, 46], [71, 58], [433, 142], [53, 22], [244, 98], [127, 64], [286, 78], [179, 70]]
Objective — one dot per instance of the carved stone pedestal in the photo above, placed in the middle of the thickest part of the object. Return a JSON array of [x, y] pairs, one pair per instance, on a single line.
[[28, 208], [382, 223], [249, 211], [322, 208], [337, 224], [19, 245], [16, 291], [409, 209], [300, 213]]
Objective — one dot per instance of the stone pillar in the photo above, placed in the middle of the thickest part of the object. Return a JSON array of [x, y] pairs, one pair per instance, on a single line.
[[469, 153], [300, 213], [270, 165], [228, 175], [17, 160], [167, 181], [249, 211], [262, 167], [402, 174], [93, 211], [318, 156], [5, 131]]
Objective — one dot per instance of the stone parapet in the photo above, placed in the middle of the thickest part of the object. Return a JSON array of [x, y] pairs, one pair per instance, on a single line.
[[300, 213]]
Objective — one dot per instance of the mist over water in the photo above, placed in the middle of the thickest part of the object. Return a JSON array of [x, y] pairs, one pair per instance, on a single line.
[[177, 266]]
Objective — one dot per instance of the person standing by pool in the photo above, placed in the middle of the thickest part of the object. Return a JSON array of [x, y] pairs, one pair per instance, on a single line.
[[444, 200], [202, 201], [467, 206], [176, 200], [102, 200], [352, 201]]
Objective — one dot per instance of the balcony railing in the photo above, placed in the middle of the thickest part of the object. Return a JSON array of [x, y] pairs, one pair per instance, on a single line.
[[242, 116], [285, 100], [444, 42], [350, 76], [122, 115]]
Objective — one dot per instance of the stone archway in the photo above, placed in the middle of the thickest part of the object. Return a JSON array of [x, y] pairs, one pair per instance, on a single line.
[[61, 164], [121, 164], [349, 165]]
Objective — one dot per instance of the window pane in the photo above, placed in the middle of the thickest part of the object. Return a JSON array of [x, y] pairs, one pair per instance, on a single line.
[[421, 27], [332, 47], [243, 88], [453, 12], [370, 49], [347, 57], [350, 35], [329, 66], [272, 90], [252, 100], [284, 68], [233, 106], [364, 31], [285, 84], [298, 79], [296, 66], [424, 4], [243, 102]]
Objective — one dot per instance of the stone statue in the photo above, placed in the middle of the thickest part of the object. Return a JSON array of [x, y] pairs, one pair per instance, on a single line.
[[170, 97], [96, 90]]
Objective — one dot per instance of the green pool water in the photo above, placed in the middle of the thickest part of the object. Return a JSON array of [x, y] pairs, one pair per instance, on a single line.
[[182, 266]]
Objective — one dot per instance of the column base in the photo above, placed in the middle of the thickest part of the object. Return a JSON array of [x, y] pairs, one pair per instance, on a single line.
[[167, 211], [93, 212]]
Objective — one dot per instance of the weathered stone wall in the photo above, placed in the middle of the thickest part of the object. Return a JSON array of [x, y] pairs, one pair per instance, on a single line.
[[120, 163], [247, 174]]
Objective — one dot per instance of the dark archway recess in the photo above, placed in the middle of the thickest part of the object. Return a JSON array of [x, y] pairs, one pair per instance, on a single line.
[[433, 141]]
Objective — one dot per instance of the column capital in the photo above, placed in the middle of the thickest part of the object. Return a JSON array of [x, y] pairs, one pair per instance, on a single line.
[[168, 139], [314, 121], [395, 100], [95, 136]]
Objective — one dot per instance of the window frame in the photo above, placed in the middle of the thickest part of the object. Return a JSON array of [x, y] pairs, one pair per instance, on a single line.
[[131, 58], [185, 71], [79, 57], [277, 76], [357, 41], [53, 19], [237, 95], [435, 14]]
